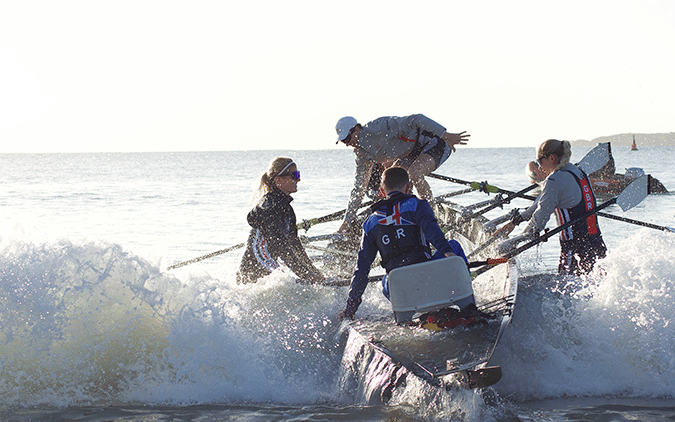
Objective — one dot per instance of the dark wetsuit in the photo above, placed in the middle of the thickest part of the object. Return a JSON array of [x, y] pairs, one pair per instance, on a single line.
[[274, 235]]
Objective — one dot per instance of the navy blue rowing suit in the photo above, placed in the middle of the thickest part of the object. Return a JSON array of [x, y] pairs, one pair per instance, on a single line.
[[400, 228]]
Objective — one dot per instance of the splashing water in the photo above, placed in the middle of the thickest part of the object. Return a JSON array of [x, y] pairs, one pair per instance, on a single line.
[[608, 334]]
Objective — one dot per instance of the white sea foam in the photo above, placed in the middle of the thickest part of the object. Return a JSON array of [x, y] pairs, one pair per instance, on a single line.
[[608, 334], [91, 316]]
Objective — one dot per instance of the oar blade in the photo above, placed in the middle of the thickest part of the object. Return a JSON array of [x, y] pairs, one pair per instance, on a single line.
[[634, 193], [595, 159]]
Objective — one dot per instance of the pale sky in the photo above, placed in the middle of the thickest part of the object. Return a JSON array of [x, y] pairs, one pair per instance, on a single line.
[[158, 75]]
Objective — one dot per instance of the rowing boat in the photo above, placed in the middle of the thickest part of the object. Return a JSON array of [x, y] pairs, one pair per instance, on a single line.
[[380, 354], [607, 182]]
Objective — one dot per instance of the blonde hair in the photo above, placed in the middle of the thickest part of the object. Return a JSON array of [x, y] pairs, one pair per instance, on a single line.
[[276, 167], [561, 149]]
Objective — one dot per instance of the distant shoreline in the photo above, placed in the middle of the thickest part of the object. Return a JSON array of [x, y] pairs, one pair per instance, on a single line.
[[626, 139]]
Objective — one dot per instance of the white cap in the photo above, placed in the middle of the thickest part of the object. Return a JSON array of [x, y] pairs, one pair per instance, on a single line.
[[343, 126]]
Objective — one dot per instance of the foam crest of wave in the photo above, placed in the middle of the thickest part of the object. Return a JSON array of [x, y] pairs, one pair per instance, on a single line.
[[607, 334], [91, 323]]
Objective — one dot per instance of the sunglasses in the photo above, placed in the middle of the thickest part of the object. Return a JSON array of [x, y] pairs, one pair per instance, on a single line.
[[349, 135], [295, 175]]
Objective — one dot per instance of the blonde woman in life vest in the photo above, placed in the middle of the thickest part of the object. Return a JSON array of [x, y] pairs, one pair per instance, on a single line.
[[567, 192]]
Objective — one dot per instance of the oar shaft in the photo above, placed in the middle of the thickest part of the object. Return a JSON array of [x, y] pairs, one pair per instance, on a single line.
[[207, 256], [485, 264], [558, 229], [480, 186], [499, 203], [637, 222], [459, 192], [619, 218], [331, 236], [550, 233], [472, 207], [480, 248], [306, 224]]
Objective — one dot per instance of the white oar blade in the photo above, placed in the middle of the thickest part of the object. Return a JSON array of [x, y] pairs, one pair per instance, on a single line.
[[634, 193], [595, 159]]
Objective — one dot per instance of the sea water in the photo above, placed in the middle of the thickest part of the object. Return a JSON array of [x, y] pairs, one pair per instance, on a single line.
[[94, 326]]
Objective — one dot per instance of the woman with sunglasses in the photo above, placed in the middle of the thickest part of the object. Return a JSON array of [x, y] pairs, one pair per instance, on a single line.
[[274, 234], [567, 192]]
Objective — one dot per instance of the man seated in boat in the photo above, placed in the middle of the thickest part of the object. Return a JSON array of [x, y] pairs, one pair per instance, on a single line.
[[400, 228]]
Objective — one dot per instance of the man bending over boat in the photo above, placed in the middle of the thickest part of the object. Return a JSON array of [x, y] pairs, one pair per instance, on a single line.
[[418, 143], [400, 229]]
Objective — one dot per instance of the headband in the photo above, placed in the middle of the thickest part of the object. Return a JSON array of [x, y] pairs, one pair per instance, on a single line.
[[284, 169]]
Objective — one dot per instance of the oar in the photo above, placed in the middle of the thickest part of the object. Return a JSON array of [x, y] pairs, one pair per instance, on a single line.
[[592, 162], [241, 245], [331, 250], [490, 227], [637, 222], [611, 216], [489, 262], [630, 197], [333, 237], [207, 256], [480, 248], [479, 186], [451, 194], [467, 209], [498, 202], [306, 224]]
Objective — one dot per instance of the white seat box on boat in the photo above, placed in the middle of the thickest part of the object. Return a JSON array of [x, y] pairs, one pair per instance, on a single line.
[[430, 285]]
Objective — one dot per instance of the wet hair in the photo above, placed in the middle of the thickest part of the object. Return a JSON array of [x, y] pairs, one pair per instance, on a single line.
[[561, 149], [395, 178]]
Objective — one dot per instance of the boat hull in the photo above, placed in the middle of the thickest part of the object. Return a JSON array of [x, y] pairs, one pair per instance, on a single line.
[[453, 353]]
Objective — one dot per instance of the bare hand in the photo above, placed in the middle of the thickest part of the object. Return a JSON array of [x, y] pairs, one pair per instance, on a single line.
[[455, 139], [505, 229]]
